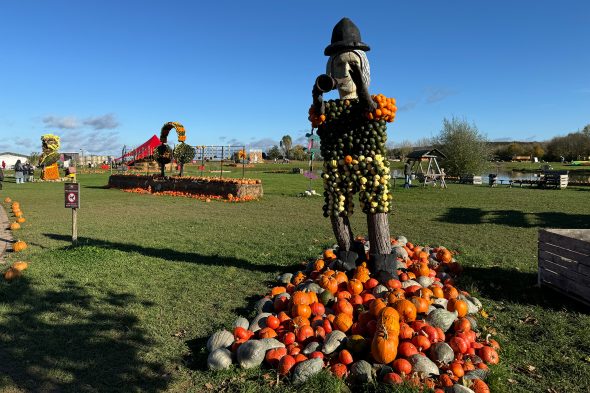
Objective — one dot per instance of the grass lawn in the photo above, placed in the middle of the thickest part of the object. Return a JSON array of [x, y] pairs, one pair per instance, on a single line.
[[131, 307]]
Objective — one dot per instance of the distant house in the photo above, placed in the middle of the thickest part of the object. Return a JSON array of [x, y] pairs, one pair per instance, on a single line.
[[11, 158], [521, 158]]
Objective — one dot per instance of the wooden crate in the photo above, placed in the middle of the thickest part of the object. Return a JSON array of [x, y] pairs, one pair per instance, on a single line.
[[564, 261]]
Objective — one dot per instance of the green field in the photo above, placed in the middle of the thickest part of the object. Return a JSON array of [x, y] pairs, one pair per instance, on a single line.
[[131, 307]]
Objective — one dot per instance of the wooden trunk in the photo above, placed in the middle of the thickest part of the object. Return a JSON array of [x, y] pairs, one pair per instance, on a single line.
[[379, 237]]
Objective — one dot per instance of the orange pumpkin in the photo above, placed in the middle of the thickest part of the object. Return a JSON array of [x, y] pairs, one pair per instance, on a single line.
[[341, 277], [423, 270], [437, 291], [300, 297], [425, 293], [389, 318], [11, 274], [444, 255], [355, 287], [14, 226], [406, 310], [361, 273], [376, 306], [20, 220], [480, 386], [329, 283], [329, 255], [395, 295], [318, 265], [20, 265], [384, 346], [299, 321], [19, 246], [450, 292], [277, 290], [343, 322], [462, 325], [343, 306], [267, 333], [457, 305], [301, 310], [405, 331], [298, 278], [421, 304]]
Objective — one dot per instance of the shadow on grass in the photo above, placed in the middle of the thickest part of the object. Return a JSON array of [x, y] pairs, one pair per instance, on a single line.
[[68, 339], [106, 187], [513, 286], [170, 254], [515, 218]]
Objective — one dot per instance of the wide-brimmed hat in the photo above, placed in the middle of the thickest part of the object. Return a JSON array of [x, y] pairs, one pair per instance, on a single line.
[[345, 36]]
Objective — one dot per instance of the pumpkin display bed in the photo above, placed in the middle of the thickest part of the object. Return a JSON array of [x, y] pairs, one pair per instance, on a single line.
[[419, 329], [199, 187]]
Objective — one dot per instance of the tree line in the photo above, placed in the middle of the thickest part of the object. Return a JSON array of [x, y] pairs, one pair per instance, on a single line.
[[287, 150], [468, 150]]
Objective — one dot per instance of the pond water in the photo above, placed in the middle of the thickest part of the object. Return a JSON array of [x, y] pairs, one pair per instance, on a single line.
[[506, 176]]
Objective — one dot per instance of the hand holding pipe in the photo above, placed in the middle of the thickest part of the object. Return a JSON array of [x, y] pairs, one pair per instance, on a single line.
[[325, 83]]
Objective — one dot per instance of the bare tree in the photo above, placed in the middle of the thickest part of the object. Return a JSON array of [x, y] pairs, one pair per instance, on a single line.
[[404, 148], [466, 148]]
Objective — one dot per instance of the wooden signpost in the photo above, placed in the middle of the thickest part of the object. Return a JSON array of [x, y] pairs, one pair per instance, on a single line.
[[72, 201]]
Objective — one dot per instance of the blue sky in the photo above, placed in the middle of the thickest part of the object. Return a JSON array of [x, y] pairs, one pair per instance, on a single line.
[[102, 74]]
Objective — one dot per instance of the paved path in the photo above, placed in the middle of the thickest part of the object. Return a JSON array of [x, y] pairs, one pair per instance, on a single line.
[[5, 235]]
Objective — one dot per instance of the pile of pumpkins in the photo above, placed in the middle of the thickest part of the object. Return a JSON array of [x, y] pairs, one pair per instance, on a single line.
[[16, 269], [419, 329]]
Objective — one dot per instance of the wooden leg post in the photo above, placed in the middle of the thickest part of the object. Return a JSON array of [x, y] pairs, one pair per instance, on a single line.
[[74, 226], [343, 232], [379, 237]]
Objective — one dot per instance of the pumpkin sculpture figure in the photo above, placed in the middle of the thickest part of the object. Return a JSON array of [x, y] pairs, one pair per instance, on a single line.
[[182, 153], [352, 131], [49, 156]]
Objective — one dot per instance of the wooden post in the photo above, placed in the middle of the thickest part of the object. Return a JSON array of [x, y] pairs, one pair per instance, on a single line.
[[74, 226], [379, 237], [343, 232]]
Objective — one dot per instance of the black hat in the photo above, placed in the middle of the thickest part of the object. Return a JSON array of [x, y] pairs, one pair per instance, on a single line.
[[345, 36]]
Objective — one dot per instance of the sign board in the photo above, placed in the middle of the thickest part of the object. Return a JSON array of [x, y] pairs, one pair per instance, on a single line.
[[72, 195], [313, 143]]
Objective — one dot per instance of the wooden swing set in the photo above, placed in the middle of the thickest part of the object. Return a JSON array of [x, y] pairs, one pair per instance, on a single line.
[[433, 173]]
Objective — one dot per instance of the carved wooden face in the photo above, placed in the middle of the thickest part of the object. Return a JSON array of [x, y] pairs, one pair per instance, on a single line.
[[340, 68]]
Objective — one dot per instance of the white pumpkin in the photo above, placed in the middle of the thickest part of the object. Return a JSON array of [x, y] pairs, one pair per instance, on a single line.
[[220, 359], [251, 354], [220, 339]]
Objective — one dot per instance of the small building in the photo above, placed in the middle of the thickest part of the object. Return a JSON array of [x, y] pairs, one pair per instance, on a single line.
[[93, 160], [521, 158], [11, 158]]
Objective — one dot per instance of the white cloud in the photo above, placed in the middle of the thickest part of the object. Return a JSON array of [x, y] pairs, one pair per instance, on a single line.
[[64, 122], [438, 94], [91, 142], [102, 122], [25, 142], [107, 121]]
